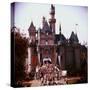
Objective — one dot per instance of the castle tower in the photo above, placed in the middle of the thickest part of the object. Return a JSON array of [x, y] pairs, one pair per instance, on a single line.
[[32, 33], [52, 20], [33, 47]]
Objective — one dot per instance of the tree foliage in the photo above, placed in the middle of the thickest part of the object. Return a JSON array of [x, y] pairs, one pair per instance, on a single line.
[[20, 52]]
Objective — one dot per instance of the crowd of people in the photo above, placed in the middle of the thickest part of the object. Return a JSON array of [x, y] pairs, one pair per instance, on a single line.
[[49, 74]]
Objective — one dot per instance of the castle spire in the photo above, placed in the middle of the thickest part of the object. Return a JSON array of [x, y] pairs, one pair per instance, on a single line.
[[32, 23], [32, 29], [43, 21], [52, 20], [60, 29], [76, 27], [52, 9]]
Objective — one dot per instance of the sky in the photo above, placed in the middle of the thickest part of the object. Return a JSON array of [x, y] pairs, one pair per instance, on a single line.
[[67, 16]]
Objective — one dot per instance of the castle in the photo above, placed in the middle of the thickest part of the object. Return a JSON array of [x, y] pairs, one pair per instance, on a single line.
[[45, 44]]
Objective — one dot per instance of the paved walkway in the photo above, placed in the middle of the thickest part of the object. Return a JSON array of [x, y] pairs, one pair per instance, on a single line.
[[36, 83]]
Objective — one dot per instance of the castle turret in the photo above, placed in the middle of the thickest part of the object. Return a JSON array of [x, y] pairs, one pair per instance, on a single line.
[[32, 32], [52, 20], [33, 47]]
